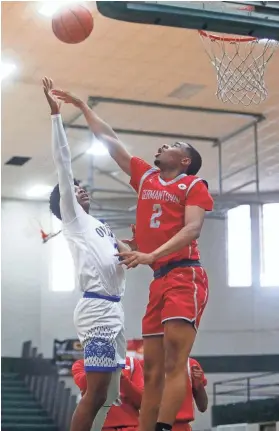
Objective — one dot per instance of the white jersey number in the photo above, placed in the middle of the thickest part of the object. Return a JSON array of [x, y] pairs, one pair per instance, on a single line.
[[157, 212]]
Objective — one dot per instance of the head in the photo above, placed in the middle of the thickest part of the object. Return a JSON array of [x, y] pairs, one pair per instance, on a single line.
[[81, 195], [178, 156]]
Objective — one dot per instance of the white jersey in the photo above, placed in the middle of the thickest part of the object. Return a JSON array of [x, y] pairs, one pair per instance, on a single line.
[[93, 246]]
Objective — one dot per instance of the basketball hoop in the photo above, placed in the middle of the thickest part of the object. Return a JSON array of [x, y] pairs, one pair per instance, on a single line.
[[240, 63]]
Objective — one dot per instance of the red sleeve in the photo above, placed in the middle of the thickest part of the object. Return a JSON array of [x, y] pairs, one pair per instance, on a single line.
[[79, 375], [138, 168], [199, 196], [194, 363], [133, 388]]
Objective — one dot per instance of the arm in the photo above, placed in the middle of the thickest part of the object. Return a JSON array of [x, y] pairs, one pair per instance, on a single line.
[[200, 397], [198, 385], [133, 388], [69, 206], [198, 201], [100, 129], [106, 134], [70, 209], [194, 218]]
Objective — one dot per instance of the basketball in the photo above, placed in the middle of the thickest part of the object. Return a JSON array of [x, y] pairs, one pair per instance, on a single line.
[[72, 24]]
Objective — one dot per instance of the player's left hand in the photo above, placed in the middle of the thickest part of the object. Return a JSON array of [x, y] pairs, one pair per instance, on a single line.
[[197, 376], [134, 258]]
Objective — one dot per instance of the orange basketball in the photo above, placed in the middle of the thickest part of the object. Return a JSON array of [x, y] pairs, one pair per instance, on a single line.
[[72, 24]]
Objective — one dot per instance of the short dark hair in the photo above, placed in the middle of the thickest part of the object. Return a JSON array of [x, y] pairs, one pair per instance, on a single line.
[[54, 200], [196, 161]]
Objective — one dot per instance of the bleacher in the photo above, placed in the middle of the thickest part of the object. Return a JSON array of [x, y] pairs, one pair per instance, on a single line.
[[19, 409], [33, 398], [253, 399]]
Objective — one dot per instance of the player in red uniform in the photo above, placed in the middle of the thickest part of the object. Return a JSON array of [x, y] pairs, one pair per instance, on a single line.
[[172, 202], [125, 416]]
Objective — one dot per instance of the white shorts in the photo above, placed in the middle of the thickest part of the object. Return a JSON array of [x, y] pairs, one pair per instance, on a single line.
[[100, 327]]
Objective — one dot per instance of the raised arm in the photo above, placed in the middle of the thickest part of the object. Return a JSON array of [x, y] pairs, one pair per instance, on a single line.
[[69, 206], [101, 130]]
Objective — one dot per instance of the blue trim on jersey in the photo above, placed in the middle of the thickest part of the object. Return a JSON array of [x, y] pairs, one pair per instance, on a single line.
[[111, 298]]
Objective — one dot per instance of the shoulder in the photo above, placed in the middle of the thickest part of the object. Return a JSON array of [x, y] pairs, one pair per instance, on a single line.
[[192, 181], [139, 164]]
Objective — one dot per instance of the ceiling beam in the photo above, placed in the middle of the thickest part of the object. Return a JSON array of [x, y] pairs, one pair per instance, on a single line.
[[150, 134], [94, 100]]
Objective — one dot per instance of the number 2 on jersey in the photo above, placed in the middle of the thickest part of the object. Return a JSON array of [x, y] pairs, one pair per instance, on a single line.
[[157, 212]]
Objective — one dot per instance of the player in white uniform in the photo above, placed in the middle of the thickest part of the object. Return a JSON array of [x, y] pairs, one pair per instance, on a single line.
[[98, 317]]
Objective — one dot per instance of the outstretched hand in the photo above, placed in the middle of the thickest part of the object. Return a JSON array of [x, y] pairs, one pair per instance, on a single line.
[[54, 104], [134, 258], [67, 97]]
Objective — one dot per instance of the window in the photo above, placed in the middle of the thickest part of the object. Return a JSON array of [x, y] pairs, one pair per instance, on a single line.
[[239, 247], [270, 244], [62, 274]]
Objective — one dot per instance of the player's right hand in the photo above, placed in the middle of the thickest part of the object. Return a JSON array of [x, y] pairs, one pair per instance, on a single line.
[[54, 104], [67, 97], [132, 242]]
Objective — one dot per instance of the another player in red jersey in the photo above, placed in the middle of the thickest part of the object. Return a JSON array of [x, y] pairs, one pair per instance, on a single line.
[[125, 416], [172, 202]]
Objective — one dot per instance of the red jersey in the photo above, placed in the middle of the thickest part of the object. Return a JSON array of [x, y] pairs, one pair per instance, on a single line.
[[131, 388], [161, 208], [187, 411]]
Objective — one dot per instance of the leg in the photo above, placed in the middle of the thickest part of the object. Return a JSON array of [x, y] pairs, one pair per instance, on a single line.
[[178, 341], [185, 294], [112, 395], [99, 341], [92, 401], [153, 348], [153, 382]]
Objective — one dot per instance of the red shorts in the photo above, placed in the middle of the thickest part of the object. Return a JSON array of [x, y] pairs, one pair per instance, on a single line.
[[181, 294]]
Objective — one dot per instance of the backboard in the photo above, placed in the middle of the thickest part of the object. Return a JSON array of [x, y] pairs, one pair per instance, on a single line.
[[254, 18]]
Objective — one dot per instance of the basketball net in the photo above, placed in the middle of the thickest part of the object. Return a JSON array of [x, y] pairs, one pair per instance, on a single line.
[[240, 63]]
